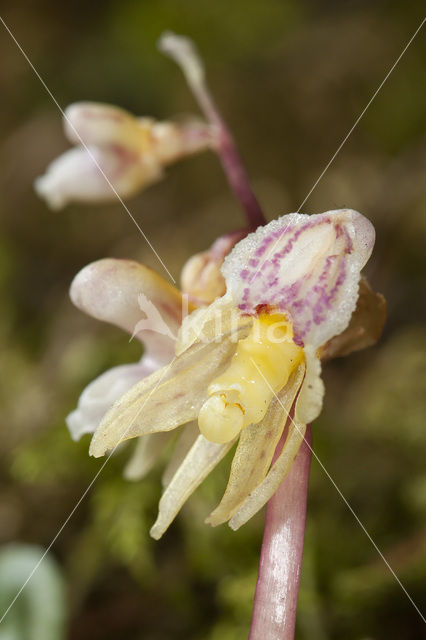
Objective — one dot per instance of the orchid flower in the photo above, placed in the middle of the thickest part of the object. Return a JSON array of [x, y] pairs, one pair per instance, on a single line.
[[117, 154], [120, 292], [290, 288]]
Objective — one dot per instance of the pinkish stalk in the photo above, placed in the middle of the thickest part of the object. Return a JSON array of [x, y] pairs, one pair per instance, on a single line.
[[184, 53], [275, 601]]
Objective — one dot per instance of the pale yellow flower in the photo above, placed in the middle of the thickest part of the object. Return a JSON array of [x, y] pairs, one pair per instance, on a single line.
[[290, 288]]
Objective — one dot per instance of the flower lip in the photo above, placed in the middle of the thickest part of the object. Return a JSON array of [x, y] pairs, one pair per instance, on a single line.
[[305, 266]]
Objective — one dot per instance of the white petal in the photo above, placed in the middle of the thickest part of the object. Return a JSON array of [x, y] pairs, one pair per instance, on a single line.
[[101, 394], [200, 460], [95, 175], [124, 293], [306, 266]]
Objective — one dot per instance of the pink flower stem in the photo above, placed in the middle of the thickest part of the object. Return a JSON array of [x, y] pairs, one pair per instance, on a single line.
[[231, 161], [275, 601], [183, 52], [237, 178]]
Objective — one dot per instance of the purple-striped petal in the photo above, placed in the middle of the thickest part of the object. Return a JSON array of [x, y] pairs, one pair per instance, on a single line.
[[307, 267]]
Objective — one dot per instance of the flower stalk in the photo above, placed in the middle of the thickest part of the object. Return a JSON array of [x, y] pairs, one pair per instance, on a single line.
[[183, 52], [275, 602]]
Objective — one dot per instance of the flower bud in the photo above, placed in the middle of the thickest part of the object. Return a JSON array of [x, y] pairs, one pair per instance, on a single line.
[[201, 277]]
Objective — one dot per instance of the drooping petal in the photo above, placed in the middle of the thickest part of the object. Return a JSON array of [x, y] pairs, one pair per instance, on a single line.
[[166, 399], [186, 439], [307, 267], [201, 459], [98, 124], [146, 453], [266, 489], [95, 174], [101, 394], [131, 296], [255, 451]]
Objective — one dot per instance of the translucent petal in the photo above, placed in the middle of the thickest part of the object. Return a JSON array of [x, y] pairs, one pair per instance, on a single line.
[[146, 453], [306, 266], [131, 296], [168, 398], [101, 394], [260, 496], [255, 451], [201, 459], [186, 439]]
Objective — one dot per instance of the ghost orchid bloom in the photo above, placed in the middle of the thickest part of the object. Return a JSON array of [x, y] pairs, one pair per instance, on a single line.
[[291, 286], [136, 299], [117, 154]]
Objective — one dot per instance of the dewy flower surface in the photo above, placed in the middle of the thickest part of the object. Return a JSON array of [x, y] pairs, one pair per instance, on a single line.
[[290, 287]]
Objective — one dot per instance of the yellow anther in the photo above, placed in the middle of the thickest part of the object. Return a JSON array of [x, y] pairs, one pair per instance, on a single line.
[[259, 368]]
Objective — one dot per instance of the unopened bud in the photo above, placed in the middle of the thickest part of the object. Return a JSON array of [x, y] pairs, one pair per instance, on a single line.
[[201, 277]]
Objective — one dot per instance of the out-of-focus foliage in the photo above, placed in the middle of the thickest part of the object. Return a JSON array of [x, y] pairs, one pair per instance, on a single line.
[[291, 78]]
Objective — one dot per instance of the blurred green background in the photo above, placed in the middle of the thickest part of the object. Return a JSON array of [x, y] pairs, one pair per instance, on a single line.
[[291, 78]]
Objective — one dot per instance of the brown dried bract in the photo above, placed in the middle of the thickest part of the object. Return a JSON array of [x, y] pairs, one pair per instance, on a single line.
[[365, 327]]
